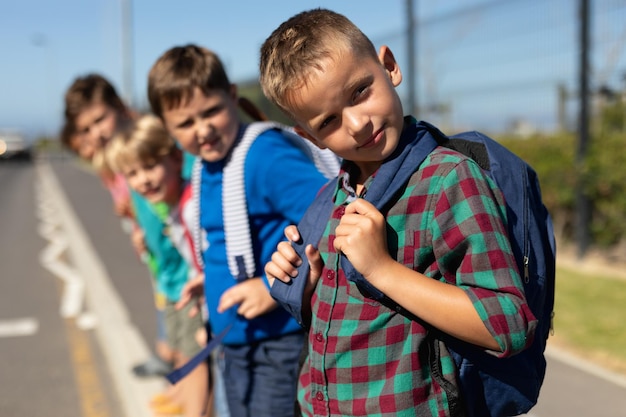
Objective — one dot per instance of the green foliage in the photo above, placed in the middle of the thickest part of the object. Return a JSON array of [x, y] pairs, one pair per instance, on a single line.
[[606, 187], [552, 157], [611, 118], [45, 143], [589, 315], [252, 91], [601, 175]]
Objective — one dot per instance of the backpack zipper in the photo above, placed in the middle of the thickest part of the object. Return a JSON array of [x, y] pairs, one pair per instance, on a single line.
[[526, 215]]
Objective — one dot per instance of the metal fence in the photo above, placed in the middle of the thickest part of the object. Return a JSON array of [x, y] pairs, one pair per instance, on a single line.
[[509, 65]]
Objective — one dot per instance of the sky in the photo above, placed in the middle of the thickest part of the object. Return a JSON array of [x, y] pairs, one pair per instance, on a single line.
[[512, 52], [46, 44]]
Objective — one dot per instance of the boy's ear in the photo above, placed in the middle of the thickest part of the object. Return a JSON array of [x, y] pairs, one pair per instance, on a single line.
[[300, 131], [390, 64]]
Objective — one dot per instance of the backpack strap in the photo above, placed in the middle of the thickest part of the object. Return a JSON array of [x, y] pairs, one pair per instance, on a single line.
[[311, 228], [194, 227]]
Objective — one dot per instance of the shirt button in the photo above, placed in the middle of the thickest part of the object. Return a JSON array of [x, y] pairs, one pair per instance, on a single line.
[[319, 337], [330, 275], [319, 396]]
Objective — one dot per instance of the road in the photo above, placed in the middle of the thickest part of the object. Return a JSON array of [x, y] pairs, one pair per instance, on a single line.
[[76, 309]]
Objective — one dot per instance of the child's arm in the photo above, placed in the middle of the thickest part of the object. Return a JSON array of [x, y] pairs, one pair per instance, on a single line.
[[361, 237]]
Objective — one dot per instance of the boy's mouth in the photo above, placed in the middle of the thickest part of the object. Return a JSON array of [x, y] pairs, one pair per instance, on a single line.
[[148, 192], [373, 140], [209, 143]]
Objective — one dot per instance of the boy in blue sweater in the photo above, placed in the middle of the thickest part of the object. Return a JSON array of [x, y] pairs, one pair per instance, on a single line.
[[190, 91]]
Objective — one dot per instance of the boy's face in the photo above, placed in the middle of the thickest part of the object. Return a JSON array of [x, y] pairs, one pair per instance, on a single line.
[[95, 125], [351, 107], [206, 125], [155, 181]]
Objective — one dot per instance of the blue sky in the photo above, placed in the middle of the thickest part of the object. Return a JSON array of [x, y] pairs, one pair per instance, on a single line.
[[496, 61], [45, 44]]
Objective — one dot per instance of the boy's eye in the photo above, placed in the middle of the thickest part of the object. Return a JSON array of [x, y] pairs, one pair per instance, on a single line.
[[211, 111], [326, 122], [184, 124], [360, 92], [149, 165]]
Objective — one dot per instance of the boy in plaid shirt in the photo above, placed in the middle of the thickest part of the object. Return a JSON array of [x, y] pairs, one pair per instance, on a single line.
[[440, 251]]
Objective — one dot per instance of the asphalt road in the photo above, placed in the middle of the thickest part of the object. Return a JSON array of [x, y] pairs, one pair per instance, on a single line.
[[75, 303], [76, 310]]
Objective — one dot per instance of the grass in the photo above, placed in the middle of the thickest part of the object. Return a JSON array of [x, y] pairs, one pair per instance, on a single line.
[[590, 316]]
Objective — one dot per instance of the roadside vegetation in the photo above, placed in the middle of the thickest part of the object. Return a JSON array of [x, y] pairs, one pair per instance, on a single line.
[[590, 316], [602, 177]]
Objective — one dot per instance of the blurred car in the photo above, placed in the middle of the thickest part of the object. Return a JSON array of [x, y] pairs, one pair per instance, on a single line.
[[14, 146]]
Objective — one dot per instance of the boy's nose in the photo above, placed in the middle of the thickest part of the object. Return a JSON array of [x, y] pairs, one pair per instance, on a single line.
[[95, 134], [203, 130], [143, 178], [355, 122]]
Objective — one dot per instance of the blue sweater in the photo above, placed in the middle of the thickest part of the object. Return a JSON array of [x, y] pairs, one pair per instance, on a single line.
[[280, 183]]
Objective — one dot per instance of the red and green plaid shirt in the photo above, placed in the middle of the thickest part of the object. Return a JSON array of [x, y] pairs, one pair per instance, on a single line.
[[366, 359]]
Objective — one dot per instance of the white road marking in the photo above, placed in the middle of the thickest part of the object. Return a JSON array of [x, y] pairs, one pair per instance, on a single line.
[[119, 338], [18, 327], [52, 256]]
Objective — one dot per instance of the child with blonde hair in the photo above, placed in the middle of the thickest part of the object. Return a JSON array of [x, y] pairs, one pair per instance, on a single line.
[[148, 158]]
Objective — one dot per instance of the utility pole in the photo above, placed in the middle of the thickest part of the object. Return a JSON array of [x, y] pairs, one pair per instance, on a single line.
[[127, 51], [561, 107], [412, 107], [582, 200]]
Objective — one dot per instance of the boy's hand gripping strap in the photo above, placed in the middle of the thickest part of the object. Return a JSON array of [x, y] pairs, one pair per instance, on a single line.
[[311, 228]]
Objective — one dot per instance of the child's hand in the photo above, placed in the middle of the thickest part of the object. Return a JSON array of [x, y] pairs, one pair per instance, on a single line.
[[252, 296], [137, 240], [362, 237], [193, 290], [285, 261], [122, 208]]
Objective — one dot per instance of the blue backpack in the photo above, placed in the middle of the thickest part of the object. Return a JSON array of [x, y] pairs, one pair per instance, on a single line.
[[488, 386]]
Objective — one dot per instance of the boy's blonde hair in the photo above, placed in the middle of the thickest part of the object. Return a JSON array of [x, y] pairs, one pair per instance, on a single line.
[[145, 141], [298, 47], [175, 75]]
